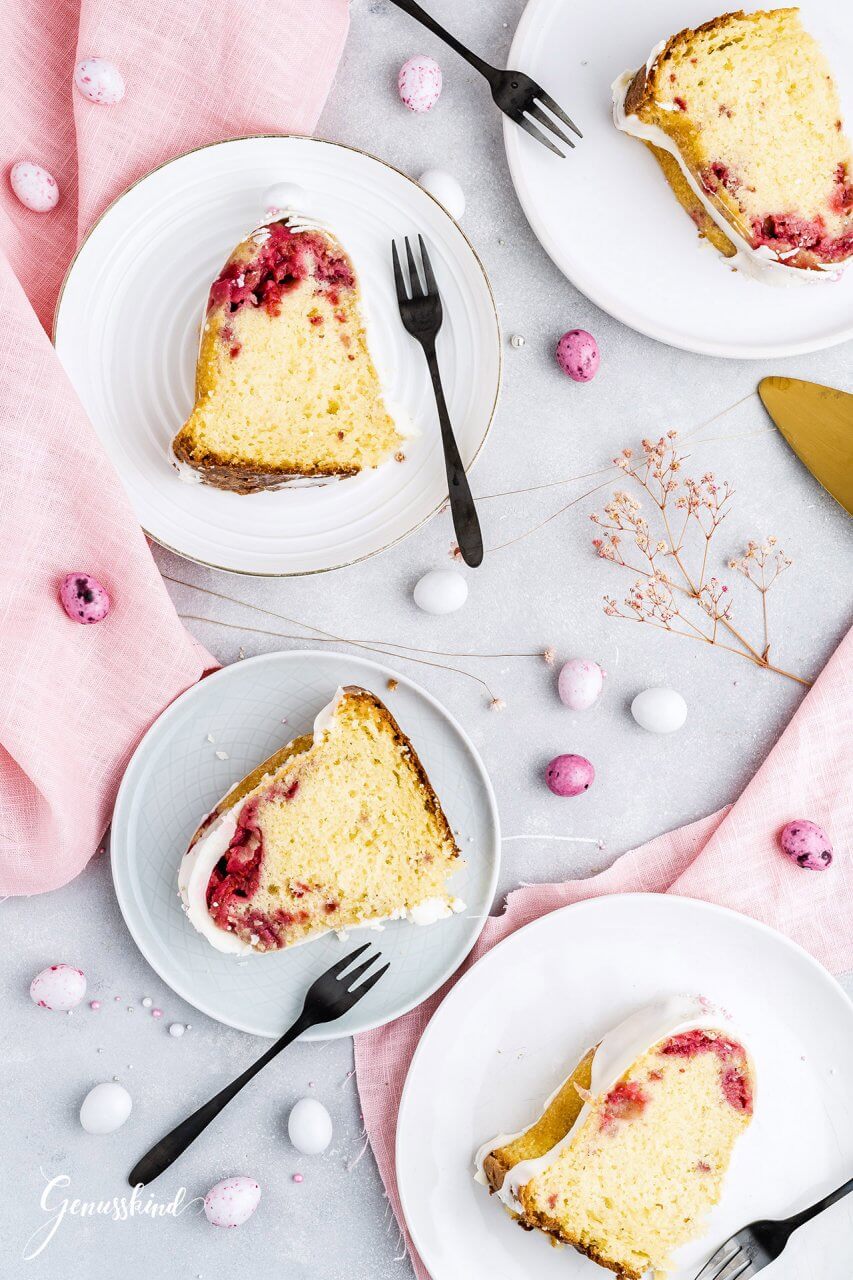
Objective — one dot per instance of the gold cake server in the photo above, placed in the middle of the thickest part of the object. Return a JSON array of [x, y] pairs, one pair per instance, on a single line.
[[817, 422]]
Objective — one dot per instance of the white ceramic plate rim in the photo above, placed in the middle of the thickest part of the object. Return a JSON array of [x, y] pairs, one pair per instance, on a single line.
[[124, 804]]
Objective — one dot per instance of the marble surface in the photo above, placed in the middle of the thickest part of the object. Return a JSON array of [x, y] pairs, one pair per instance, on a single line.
[[543, 589]]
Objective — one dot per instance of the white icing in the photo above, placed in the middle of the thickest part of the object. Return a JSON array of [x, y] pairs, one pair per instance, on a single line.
[[617, 1051], [761, 263]]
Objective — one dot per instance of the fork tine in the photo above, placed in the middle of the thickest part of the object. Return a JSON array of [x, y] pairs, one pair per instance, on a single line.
[[728, 1250], [414, 277], [539, 114], [558, 111], [432, 287], [739, 1266], [371, 981], [537, 134], [402, 294], [351, 977], [347, 960]]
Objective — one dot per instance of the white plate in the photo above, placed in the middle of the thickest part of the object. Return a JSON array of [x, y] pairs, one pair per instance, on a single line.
[[515, 1025], [175, 778], [127, 327], [606, 214]]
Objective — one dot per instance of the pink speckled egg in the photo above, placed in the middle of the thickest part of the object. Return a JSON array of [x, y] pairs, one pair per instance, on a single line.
[[99, 81], [60, 987], [579, 683], [577, 355], [34, 186], [83, 598], [569, 775], [232, 1201], [807, 844], [419, 83]]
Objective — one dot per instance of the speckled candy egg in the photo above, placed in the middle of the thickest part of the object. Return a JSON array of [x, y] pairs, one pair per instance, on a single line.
[[34, 186], [446, 190], [807, 844], [83, 598], [577, 355], [441, 591], [419, 83], [232, 1201], [105, 1108], [569, 775], [60, 987], [309, 1127], [579, 683], [659, 710], [99, 81]]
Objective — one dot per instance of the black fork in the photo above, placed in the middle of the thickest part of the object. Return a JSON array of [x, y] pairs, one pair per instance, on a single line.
[[331, 996], [422, 315], [517, 95]]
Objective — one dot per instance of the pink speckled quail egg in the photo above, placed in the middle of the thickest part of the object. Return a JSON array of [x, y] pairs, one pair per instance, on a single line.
[[284, 197], [659, 710], [807, 844], [99, 81], [446, 190], [569, 775], [83, 598], [578, 355], [60, 987], [579, 683], [441, 591], [309, 1127], [105, 1108], [419, 83], [34, 186], [232, 1201]]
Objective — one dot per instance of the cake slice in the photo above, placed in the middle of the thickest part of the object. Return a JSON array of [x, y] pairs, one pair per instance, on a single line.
[[630, 1153], [339, 829], [744, 118], [286, 390]]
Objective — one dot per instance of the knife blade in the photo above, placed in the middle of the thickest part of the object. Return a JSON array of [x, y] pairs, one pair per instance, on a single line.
[[817, 422]]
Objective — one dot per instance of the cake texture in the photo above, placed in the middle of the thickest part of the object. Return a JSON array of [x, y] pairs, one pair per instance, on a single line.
[[630, 1152], [339, 829], [286, 390], [743, 116]]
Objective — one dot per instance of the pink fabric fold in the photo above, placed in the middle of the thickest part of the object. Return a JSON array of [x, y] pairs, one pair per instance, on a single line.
[[75, 700], [731, 857]]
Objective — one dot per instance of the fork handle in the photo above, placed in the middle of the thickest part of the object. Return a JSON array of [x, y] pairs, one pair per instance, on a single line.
[[166, 1151], [414, 10], [465, 520], [796, 1220]]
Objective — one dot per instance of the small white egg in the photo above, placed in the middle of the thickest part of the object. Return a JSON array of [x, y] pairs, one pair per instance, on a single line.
[[34, 186], [309, 1127], [659, 710], [579, 683], [445, 188], [232, 1201], [441, 591], [284, 197], [99, 81], [60, 987], [105, 1108]]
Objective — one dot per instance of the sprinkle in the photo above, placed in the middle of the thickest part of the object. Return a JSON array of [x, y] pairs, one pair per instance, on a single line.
[[221, 755], [117, 998], [176, 1029], [210, 738], [130, 1008], [94, 1004], [147, 1002], [297, 1177], [156, 1013], [391, 685]]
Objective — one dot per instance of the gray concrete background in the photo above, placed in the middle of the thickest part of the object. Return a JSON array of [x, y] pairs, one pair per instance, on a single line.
[[545, 590]]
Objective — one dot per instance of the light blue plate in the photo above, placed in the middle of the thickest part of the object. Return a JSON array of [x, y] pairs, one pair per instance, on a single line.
[[175, 777]]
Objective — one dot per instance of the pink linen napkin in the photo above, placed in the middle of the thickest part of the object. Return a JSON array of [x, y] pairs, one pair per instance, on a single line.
[[74, 700], [731, 857]]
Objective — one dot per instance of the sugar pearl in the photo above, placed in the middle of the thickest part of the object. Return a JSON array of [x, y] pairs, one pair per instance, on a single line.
[[176, 1029], [147, 1002], [517, 341], [34, 186]]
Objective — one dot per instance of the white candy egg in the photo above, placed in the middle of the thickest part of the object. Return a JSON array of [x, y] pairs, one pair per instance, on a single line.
[[659, 710], [60, 987], [34, 186], [419, 83], [579, 683], [445, 188], [105, 1108], [284, 197], [99, 81], [441, 591], [309, 1127], [232, 1201]]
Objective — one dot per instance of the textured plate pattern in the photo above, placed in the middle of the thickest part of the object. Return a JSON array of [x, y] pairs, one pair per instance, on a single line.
[[250, 709], [127, 331]]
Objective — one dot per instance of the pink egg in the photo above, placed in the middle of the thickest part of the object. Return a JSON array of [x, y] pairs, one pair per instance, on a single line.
[[34, 186], [99, 81], [60, 987], [83, 598], [807, 844], [579, 683], [577, 355], [232, 1202], [419, 83], [569, 775]]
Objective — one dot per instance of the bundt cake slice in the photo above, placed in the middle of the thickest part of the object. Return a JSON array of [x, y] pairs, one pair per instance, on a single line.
[[286, 390], [744, 118], [339, 829], [630, 1153]]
